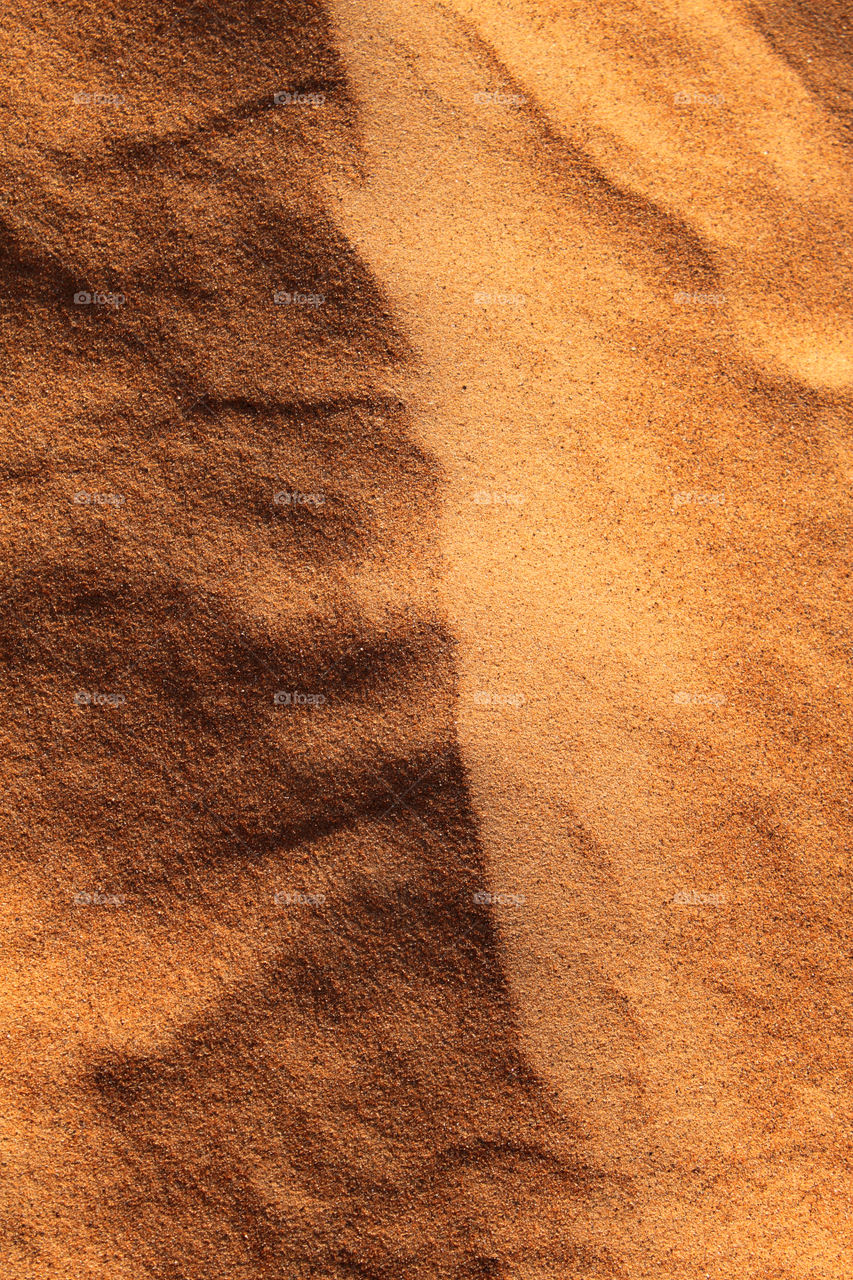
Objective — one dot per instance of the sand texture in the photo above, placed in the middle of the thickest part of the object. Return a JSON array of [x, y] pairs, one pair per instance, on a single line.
[[427, 482]]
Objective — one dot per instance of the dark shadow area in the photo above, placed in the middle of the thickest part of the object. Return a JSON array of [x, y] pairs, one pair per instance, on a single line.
[[359, 1106], [817, 43]]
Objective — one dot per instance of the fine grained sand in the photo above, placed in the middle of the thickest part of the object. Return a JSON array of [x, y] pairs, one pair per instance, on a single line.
[[567, 566]]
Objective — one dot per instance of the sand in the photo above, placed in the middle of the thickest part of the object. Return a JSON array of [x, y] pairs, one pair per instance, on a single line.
[[426, 637]]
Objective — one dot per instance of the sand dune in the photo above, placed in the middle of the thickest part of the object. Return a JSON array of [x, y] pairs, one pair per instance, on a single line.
[[425, 526]]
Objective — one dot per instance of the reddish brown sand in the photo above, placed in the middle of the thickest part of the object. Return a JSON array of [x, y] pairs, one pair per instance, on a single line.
[[569, 571]]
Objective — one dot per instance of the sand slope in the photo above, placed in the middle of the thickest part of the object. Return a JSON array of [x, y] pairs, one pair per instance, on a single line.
[[635, 313], [624, 321]]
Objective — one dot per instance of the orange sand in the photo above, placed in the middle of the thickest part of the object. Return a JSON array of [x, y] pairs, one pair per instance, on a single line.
[[523, 952]]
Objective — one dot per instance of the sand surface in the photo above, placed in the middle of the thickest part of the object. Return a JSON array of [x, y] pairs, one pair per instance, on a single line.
[[426, 637]]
